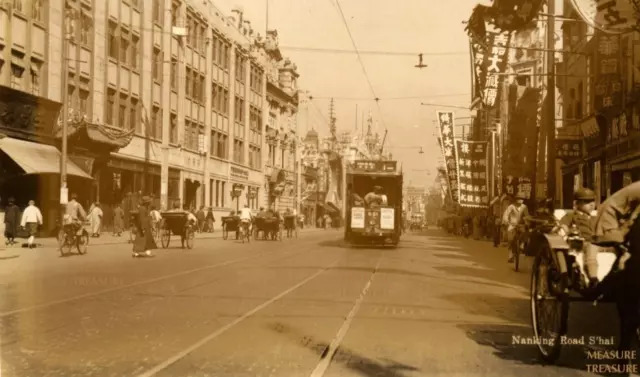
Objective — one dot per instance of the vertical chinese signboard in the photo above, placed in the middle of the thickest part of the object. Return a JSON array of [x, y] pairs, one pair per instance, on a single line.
[[608, 87], [447, 133], [479, 74], [472, 157], [495, 65]]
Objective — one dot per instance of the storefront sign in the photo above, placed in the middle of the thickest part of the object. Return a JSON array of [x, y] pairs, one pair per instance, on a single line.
[[611, 16], [620, 128], [518, 185], [473, 173], [568, 149], [479, 68], [608, 88], [447, 135], [236, 190], [375, 166], [84, 163], [239, 173]]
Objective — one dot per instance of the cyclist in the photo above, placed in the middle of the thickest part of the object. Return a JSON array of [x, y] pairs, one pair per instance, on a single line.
[[246, 217], [75, 214], [512, 218]]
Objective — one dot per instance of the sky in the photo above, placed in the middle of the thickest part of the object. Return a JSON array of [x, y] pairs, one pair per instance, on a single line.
[[431, 27]]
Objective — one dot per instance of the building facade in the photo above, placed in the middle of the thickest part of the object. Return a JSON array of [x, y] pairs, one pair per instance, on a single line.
[[282, 140], [184, 82]]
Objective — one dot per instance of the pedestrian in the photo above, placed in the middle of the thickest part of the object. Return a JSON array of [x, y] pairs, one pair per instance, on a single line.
[[211, 219], [118, 220], [144, 241], [95, 218], [31, 219], [200, 215], [11, 222], [476, 227]]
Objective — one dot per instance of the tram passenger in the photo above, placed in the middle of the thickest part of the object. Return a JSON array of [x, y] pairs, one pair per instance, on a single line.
[[375, 198], [584, 203]]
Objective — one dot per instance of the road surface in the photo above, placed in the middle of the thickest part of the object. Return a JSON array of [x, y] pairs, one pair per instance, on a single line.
[[436, 306]]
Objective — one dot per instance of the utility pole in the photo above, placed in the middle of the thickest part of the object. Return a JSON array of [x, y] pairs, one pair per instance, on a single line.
[[64, 193], [551, 97]]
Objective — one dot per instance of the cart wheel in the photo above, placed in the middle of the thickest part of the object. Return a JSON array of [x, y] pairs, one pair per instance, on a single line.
[[63, 243], [549, 313], [190, 237], [165, 238], [256, 234], [279, 234], [295, 232], [225, 233], [132, 235], [82, 242]]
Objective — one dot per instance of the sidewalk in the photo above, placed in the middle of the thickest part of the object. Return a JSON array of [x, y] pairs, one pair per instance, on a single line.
[[109, 239]]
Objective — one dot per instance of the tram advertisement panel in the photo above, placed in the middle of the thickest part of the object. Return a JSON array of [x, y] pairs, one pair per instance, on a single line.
[[357, 217], [473, 173]]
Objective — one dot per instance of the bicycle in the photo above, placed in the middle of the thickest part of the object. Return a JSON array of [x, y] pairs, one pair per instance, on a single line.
[[245, 231]]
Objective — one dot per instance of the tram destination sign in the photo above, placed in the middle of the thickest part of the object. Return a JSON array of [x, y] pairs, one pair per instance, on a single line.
[[375, 166]]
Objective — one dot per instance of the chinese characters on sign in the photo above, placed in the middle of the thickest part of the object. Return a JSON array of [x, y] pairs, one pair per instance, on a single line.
[[478, 58], [567, 149], [495, 65], [611, 16], [518, 185], [447, 133], [473, 173], [608, 88]]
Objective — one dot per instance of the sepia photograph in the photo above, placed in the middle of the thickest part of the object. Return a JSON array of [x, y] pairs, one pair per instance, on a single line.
[[319, 188]]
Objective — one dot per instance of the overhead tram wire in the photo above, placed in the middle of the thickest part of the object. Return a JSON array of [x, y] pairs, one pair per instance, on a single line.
[[364, 69], [391, 98]]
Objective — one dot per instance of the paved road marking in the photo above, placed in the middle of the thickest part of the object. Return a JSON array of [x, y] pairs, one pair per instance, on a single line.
[[324, 363], [180, 355], [115, 289]]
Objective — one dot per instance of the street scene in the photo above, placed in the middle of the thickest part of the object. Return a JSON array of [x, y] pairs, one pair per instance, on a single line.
[[291, 188], [438, 305]]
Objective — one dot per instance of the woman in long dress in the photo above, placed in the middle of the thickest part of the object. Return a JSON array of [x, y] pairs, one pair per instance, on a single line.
[[118, 220], [144, 241], [11, 222], [95, 217]]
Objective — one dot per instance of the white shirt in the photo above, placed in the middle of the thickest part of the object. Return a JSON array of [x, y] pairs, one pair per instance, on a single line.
[[384, 200], [31, 214], [245, 214]]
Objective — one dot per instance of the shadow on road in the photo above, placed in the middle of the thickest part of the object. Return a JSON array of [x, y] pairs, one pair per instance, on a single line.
[[363, 365], [10, 257]]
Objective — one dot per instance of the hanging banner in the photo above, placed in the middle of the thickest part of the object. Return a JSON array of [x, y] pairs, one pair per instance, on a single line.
[[473, 173], [610, 16], [517, 185], [478, 67], [447, 135], [608, 81], [497, 60]]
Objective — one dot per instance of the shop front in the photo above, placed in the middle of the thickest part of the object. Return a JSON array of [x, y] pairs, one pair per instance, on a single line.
[[29, 157], [245, 186]]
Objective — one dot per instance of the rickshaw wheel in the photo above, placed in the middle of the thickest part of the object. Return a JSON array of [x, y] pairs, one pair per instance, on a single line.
[[190, 237], [256, 234], [547, 335], [225, 232], [280, 234], [165, 238], [82, 242]]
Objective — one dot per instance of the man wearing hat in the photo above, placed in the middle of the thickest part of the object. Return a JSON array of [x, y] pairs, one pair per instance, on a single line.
[[584, 203], [144, 241], [375, 198], [512, 217]]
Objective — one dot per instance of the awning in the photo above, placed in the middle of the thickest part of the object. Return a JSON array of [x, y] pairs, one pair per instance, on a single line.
[[34, 158]]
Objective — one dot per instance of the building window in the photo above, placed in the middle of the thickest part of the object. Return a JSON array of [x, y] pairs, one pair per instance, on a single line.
[[158, 7], [239, 110], [135, 52], [84, 104], [157, 65], [37, 15], [17, 5], [218, 146], [113, 40], [124, 47], [123, 120], [238, 151], [173, 129], [17, 73], [188, 83], [85, 30], [111, 106], [174, 74], [155, 131], [240, 63], [134, 118], [35, 77], [222, 193]]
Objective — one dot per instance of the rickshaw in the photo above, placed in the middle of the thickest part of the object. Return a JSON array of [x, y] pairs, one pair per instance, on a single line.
[[290, 225], [555, 257], [177, 223], [271, 228], [232, 224]]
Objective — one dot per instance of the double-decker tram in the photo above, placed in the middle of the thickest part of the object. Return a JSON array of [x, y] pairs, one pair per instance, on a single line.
[[374, 203]]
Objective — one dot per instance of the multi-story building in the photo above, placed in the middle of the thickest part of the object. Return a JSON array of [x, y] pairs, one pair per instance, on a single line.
[[281, 149], [600, 91], [166, 98]]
